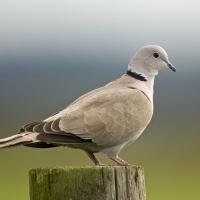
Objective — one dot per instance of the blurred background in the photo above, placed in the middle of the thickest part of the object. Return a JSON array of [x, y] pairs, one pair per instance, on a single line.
[[52, 51]]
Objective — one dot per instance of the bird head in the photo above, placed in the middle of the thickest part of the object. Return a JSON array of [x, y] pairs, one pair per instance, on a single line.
[[149, 60]]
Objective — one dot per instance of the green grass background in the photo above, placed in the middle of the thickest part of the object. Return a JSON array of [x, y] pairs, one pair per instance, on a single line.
[[171, 165]]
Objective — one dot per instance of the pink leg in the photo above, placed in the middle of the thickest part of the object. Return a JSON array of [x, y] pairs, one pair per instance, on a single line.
[[93, 158], [119, 161]]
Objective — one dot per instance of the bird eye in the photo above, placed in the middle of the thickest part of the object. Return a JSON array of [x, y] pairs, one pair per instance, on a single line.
[[155, 55]]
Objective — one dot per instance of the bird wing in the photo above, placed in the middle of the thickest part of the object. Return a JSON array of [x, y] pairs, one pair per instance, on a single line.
[[106, 116]]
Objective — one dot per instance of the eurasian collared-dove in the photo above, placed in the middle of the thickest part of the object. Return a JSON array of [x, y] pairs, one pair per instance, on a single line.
[[105, 119]]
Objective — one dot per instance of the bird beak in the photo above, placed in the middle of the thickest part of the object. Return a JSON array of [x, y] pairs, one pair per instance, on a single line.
[[171, 67]]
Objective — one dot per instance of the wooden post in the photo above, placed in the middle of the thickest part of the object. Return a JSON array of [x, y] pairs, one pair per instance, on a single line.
[[88, 183]]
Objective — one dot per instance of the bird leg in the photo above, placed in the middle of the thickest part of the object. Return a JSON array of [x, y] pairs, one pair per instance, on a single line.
[[93, 158], [119, 161]]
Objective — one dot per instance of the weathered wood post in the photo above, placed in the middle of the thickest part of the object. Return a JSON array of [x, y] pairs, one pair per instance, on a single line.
[[88, 183]]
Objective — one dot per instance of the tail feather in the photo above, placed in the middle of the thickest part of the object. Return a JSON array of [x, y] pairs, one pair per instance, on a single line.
[[34, 139], [22, 138]]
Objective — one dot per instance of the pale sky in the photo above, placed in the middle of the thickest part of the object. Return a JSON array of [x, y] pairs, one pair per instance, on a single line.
[[51, 27]]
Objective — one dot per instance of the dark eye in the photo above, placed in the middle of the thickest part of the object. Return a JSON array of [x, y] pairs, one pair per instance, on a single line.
[[155, 55]]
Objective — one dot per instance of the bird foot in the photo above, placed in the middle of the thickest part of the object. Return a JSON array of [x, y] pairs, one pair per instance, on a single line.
[[119, 161]]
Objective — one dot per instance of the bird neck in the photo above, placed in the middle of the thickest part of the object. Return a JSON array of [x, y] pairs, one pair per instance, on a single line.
[[136, 75], [141, 68], [143, 81], [150, 84]]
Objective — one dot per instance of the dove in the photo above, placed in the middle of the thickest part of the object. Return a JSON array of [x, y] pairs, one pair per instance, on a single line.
[[105, 119]]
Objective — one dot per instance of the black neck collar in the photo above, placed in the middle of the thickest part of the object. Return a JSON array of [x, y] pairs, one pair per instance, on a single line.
[[135, 75]]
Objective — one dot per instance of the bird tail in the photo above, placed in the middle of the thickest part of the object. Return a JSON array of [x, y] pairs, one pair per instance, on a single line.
[[18, 139], [40, 140]]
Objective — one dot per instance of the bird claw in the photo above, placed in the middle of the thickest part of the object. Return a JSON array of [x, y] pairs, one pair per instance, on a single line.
[[119, 161]]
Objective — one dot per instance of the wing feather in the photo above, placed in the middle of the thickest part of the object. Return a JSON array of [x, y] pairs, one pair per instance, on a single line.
[[108, 116]]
